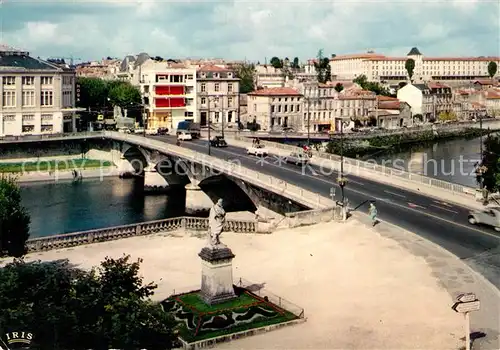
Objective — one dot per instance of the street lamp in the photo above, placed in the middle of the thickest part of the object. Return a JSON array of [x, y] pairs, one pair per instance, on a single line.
[[210, 98], [342, 181]]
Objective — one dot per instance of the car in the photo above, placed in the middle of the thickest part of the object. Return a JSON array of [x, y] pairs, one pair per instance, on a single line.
[[258, 150], [218, 141], [139, 131], [297, 158], [124, 130], [184, 136], [489, 216], [151, 131], [162, 131]]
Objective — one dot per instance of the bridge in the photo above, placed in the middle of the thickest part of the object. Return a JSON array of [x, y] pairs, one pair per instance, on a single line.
[[433, 209]]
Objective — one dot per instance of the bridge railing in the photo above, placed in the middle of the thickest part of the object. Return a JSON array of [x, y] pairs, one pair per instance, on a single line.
[[295, 193], [132, 230], [355, 165], [44, 137]]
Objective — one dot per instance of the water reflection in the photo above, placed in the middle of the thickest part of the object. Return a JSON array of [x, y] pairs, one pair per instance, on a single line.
[[65, 207], [451, 161]]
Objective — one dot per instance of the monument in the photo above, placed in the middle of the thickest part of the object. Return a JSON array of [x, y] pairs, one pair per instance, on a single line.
[[216, 258]]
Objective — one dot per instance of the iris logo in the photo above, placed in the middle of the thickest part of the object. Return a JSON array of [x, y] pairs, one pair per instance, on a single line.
[[16, 338]]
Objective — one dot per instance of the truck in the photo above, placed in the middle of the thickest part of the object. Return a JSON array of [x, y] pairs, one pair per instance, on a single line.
[[190, 127]]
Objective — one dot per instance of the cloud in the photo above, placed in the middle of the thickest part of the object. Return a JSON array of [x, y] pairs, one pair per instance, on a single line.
[[238, 29]]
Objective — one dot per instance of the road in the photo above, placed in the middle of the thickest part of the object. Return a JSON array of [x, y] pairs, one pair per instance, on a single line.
[[442, 223]]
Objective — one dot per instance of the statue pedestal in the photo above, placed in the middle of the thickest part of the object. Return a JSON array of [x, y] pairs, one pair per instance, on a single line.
[[217, 274]]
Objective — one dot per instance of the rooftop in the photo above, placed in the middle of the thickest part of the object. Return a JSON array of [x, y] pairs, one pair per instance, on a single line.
[[281, 91], [212, 68], [14, 59], [414, 52]]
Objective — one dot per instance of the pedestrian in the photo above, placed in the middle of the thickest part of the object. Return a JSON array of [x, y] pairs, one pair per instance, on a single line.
[[373, 213]]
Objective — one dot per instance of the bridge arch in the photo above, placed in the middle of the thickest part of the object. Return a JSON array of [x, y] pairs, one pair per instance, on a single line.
[[235, 196], [137, 157]]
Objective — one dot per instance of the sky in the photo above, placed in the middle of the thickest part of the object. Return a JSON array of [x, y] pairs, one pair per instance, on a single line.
[[254, 30]]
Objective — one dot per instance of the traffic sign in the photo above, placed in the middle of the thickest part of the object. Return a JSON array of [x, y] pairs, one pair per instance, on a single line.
[[466, 307], [467, 297]]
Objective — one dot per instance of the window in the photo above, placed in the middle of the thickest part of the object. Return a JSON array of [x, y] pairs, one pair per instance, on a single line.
[[9, 118], [217, 101], [69, 80], [9, 80], [9, 99], [217, 87], [291, 108], [46, 80], [28, 81], [28, 98], [216, 117], [230, 87], [67, 99], [229, 101], [46, 98], [28, 128], [176, 78], [28, 118], [203, 101], [46, 128], [203, 87], [46, 117]]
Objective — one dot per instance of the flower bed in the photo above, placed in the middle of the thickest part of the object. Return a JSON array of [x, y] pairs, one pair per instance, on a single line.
[[199, 321]]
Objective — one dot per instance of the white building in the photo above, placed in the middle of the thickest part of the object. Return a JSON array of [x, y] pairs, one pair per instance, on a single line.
[[427, 99], [378, 67], [267, 76], [37, 97], [275, 108], [217, 95], [169, 93]]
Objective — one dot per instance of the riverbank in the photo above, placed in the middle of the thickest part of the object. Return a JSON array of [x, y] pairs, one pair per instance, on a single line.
[[65, 175], [377, 304], [399, 142], [53, 165]]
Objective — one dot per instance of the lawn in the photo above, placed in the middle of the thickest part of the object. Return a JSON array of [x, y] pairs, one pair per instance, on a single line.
[[52, 165], [199, 321]]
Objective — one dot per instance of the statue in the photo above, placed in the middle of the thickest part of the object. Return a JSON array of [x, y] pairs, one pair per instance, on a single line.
[[216, 220]]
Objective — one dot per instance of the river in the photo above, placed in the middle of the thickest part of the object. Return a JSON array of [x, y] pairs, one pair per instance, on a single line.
[[449, 160], [65, 207]]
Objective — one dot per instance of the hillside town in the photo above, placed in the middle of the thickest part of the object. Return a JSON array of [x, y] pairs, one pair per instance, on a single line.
[[365, 90]]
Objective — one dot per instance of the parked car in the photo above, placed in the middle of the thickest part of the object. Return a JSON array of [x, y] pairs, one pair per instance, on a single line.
[[184, 136], [218, 141], [258, 150], [297, 158], [139, 131], [124, 130], [162, 131], [489, 216], [151, 131]]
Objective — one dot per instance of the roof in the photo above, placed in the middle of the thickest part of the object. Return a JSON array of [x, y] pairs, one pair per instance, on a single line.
[[382, 98], [492, 95], [280, 91], [437, 85], [212, 68], [20, 60], [485, 82], [414, 52], [480, 58], [384, 58], [389, 104], [358, 56], [421, 87]]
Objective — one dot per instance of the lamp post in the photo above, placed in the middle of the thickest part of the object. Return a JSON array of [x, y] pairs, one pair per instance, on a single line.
[[208, 123], [342, 181]]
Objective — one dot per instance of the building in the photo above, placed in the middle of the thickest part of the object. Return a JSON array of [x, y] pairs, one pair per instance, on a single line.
[[276, 108], [37, 96], [381, 68], [169, 93], [391, 113], [266, 76], [105, 69], [319, 106], [217, 95], [428, 100]]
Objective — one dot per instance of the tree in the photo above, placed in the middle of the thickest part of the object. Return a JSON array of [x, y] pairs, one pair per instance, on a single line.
[[339, 87], [410, 67], [491, 162], [14, 219], [124, 95], [375, 87], [276, 62], [447, 116], [492, 69], [296, 63], [67, 308], [322, 67], [93, 92], [246, 73]]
